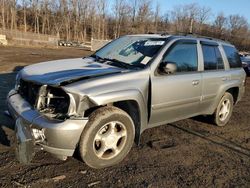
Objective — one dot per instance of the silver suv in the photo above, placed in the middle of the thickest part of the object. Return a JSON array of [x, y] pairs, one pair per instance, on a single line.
[[99, 105]]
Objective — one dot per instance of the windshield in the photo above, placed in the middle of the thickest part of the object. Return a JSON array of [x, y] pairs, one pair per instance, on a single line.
[[133, 50]]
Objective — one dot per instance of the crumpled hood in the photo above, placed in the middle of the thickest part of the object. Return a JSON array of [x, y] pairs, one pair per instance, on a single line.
[[62, 72]]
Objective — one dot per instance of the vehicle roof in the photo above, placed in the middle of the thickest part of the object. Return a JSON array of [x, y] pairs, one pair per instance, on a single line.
[[186, 36]]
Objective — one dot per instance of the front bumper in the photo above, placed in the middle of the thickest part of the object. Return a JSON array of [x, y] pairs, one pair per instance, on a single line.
[[59, 137]]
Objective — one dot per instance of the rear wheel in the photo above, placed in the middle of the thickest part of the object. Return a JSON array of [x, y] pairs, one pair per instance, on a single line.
[[224, 110], [107, 138]]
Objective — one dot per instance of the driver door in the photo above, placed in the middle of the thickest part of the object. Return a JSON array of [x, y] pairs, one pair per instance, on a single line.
[[177, 96]]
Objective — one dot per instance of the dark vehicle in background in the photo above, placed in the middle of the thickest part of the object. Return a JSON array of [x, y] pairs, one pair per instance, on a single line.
[[246, 64]]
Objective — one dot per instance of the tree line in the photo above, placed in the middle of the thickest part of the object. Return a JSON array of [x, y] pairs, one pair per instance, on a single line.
[[80, 20]]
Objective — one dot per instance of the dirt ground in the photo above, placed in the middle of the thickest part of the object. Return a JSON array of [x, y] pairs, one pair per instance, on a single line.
[[182, 154]]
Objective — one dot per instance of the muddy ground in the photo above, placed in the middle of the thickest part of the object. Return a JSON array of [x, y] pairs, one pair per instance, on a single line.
[[183, 154]]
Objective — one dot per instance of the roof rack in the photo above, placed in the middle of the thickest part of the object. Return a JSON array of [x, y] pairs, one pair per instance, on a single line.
[[187, 34], [205, 37], [158, 33]]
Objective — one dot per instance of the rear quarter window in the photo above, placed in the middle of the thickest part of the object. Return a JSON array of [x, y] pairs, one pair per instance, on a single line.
[[233, 57]]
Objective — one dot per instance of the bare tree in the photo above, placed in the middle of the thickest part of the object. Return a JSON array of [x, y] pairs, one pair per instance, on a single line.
[[184, 17], [192, 10], [83, 19], [238, 27], [84, 9], [121, 10], [144, 16], [101, 8], [156, 17], [35, 12], [25, 4], [13, 14], [3, 4], [236, 23], [203, 15], [67, 15], [220, 25], [134, 5], [45, 15], [57, 9]]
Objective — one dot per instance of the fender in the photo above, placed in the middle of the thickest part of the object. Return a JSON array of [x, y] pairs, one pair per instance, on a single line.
[[123, 95]]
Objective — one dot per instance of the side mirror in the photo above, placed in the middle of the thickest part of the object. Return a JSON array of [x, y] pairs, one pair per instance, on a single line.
[[168, 67]]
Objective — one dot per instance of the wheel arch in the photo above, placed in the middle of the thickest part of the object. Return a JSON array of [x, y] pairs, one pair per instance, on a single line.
[[234, 91], [130, 101]]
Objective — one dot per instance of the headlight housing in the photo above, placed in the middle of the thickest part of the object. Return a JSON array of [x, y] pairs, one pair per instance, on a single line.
[[54, 102]]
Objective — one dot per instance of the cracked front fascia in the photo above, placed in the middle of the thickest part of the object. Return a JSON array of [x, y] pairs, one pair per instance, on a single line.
[[87, 102], [108, 90], [79, 103], [72, 105]]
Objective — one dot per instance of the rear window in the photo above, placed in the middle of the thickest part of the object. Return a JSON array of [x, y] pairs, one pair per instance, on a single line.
[[233, 57], [212, 58]]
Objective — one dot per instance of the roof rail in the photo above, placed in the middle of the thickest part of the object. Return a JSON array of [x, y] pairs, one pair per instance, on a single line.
[[206, 37], [163, 33], [201, 36], [187, 34]]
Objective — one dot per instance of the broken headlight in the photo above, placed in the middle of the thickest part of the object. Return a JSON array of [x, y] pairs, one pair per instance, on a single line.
[[54, 102]]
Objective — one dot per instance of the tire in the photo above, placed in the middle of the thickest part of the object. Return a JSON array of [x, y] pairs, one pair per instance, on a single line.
[[107, 138], [222, 116]]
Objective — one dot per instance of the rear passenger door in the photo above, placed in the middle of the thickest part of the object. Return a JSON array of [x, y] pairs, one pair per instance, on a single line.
[[214, 74]]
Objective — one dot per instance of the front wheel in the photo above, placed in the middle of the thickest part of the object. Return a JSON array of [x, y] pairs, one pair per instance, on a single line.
[[224, 110], [107, 138]]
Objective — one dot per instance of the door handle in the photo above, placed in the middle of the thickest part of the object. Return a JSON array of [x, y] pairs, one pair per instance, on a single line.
[[195, 82]]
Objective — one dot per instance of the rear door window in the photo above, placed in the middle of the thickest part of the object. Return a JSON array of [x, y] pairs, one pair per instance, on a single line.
[[233, 57], [212, 58]]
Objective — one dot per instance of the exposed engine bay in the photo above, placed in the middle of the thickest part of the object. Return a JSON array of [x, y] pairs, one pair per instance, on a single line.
[[50, 101]]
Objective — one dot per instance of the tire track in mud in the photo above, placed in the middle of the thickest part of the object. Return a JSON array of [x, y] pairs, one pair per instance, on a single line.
[[29, 171], [215, 139]]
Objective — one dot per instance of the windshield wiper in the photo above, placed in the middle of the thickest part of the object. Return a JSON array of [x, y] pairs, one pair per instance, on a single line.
[[114, 62], [117, 62], [96, 57]]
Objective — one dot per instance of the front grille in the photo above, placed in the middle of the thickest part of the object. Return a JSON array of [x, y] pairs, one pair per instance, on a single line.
[[29, 91]]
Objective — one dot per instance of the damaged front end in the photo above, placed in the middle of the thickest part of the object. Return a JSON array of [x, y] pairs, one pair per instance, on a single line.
[[46, 119], [53, 102], [24, 146], [50, 101]]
